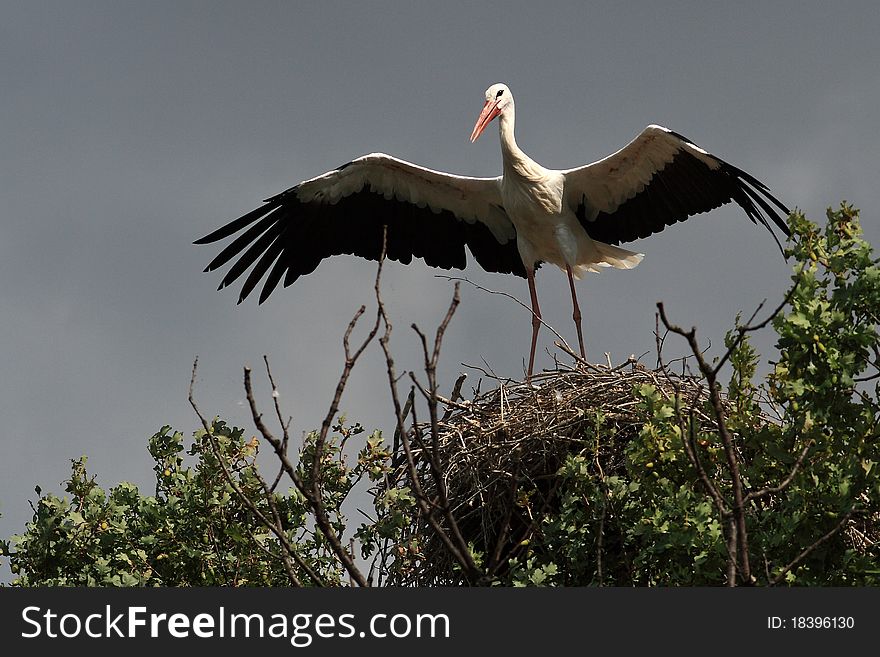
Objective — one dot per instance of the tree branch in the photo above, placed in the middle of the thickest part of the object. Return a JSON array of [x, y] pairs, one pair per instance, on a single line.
[[559, 337], [771, 490], [710, 374], [749, 327], [215, 448], [803, 555], [457, 548]]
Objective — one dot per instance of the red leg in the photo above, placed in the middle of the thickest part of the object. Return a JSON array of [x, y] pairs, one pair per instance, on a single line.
[[576, 315], [536, 319]]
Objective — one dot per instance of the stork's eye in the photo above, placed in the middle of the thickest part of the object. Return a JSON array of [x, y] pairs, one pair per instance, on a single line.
[[499, 94]]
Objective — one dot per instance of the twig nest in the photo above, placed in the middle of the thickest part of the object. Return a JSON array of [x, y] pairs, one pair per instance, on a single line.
[[511, 441]]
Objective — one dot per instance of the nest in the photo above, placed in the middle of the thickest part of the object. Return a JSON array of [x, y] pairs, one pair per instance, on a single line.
[[515, 438]]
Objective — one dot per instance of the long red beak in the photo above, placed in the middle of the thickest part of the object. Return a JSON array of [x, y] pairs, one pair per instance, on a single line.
[[490, 111]]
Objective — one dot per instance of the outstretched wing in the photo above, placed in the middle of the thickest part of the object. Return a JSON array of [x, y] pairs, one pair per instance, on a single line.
[[658, 179], [428, 214]]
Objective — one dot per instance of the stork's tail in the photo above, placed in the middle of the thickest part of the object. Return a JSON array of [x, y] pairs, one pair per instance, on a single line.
[[606, 255]]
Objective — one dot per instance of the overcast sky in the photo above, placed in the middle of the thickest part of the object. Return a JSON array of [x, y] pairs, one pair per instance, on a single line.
[[128, 129]]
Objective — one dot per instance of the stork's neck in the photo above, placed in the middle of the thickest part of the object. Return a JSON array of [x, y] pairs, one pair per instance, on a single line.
[[514, 159]]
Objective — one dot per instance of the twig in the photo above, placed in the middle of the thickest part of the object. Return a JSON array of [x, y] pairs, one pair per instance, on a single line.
[[512, 298], [688, 439], [395, 451], [430, 365], [749, 327], [807, 551], [741, 535], [285, 426], [567, 349], [457, 548], [495, 559], [215, 448], [312, 491], [772, 490]]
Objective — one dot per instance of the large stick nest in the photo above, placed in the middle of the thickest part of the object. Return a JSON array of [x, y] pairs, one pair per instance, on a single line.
[[514, 438]]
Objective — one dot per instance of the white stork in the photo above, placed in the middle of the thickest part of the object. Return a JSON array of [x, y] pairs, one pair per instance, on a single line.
[[511, 224]]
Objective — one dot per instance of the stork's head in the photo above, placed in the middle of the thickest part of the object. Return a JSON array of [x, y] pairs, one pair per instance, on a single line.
[[498, 99]]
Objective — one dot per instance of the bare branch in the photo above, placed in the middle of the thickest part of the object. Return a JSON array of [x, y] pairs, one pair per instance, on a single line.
[[458, 548], [314, 499], [689, 440], [807, 551], [512, 298], [567, 349], [396, 456], [710, 374], [749, 327], [495, 559], [276, 515], [456, 389], [772, 490], [285, 426], [215, 448]]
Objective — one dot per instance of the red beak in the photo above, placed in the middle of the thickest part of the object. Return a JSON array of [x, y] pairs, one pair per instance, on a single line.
[[490, 111]]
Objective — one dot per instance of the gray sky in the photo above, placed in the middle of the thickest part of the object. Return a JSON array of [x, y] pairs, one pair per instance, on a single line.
[[128, 129]]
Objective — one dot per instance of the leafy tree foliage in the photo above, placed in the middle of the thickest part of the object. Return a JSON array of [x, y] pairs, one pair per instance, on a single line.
[[195, 530]]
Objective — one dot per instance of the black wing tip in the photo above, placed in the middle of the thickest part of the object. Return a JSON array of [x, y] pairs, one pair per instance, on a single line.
[[210, 238], [760, 193], [748, 179], [243, 296]]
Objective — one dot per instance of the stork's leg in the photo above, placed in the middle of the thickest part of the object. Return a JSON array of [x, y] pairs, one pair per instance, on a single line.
[[536, 319], [576, 315]]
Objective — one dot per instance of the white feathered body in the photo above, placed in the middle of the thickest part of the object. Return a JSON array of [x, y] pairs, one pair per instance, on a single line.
[[547, 228]]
